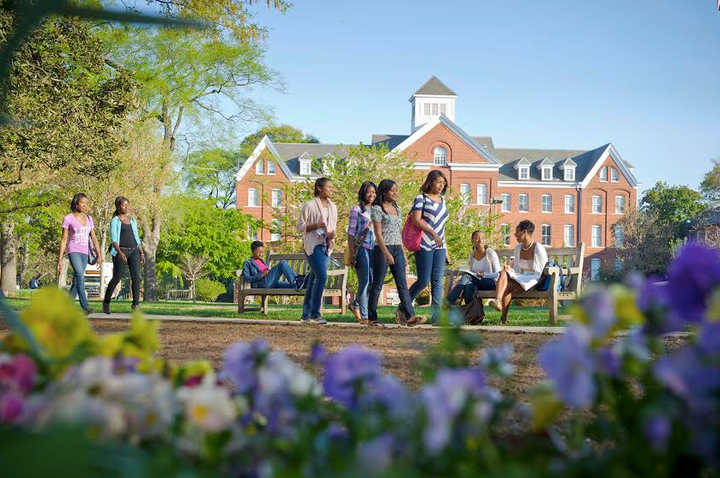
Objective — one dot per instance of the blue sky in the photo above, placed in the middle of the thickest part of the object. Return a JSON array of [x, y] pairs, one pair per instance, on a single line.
[[642, 74]]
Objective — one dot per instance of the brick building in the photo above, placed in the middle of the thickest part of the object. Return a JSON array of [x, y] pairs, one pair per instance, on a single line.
[[571, 195]]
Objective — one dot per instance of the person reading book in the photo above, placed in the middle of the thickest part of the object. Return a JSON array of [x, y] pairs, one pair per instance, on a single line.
[[529, 261], [482, 271]]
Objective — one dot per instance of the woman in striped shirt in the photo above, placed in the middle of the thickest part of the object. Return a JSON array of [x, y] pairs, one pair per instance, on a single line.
[[429, 213], [361, 240]]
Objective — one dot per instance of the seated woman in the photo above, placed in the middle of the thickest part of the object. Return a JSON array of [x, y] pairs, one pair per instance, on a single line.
[[483, 269], [259, 275], [529, 261]]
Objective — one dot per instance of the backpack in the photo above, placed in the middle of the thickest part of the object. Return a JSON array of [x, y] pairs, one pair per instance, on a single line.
[[474, 312], [544, 281]]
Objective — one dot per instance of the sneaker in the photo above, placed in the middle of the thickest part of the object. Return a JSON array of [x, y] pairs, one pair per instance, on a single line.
[[106, 308], [318, 321], [356, 312], [88, 311], [417, 320], [300, 281], [400, 317], [374, 323]]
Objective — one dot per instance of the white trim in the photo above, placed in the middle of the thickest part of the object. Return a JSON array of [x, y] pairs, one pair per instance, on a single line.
[[478, 195], [592, 235], [257, 197], [531, 184], [264, 143], [473, 167], [610, 152], [572, 229], [454, 129], [527, 204], [542, 203]]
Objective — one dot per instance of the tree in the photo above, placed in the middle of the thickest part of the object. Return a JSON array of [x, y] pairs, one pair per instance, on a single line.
[[210, 173], [647, 243], [193, 269], [283, 133], [672, 206], [710, 185]]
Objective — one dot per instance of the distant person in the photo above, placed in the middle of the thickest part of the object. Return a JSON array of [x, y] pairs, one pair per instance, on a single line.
[[529, 261], [389, 252], [317, 223], [429, 213], [483, 268], [78, 230], [259, 275], [125, 249], [34, 284], [361, 240]]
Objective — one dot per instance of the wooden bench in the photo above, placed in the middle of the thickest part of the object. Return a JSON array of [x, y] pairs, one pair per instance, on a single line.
[[336, 281], [569, 258]]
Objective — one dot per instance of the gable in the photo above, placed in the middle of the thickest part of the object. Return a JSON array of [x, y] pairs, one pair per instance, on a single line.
[[610, 157]]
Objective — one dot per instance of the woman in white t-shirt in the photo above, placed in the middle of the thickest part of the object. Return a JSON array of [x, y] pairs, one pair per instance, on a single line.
[[482, 271], [529, 261]]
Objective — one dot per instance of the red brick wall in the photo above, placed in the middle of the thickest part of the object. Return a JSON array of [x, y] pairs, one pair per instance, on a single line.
[[457, 150]]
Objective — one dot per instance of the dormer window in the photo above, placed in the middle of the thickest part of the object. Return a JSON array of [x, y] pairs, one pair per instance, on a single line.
[[305, 162], [439, 156], [570, 174], [259, 167], [523, 169], [568, 169], [547, 173]]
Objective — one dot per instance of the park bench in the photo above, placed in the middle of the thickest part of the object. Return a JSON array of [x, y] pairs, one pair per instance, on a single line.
[[336, 281], [569, 258]]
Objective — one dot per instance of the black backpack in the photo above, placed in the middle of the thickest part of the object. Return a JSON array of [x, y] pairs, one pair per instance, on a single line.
[[544, 281]]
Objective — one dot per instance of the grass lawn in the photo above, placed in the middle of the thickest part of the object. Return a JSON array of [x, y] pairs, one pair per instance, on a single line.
[[526, 316]]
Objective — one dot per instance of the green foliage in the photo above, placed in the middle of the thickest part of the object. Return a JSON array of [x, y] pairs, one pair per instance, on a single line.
[[210, 173], [283, 133], [196, 227], [463, 222], [208, 290], [673, 205], [710, 185]]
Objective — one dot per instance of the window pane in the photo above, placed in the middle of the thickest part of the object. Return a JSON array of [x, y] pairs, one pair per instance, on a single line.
[[569, 235], [523, 202], [615, 176], [465, 192], [597, 204], [546, 173], [259, 167], [440, 156], [505, 203], [443, 110], [596, 236], [482, 194], [603, 174], [570, 174], [546, 235], [427, 109], [569, 204], [619, 204], [546, 203], [595, 269], [619, 236], [434, 109], [271, 167], [524, 173]]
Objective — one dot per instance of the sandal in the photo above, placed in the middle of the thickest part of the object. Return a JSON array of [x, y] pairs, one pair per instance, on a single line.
[[356, 313], [494, 304]]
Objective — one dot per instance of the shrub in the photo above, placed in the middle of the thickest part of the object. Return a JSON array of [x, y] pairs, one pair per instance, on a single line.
[[207, 290]]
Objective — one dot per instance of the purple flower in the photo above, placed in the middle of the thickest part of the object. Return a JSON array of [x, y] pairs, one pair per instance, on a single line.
[[609, 361], [651, 292], [569, 365], [239, 364], [693, 277], [657, 431], [387, 393], [375, 456], [599, 306], [318, 354], [18, 373], [11, 407], [346, 373], [497, 360], [687, 375], [709, 338]]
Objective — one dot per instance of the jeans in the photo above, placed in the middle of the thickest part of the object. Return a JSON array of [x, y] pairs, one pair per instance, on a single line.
[[430, 269], [379, 269], [364, 275], [316, 281], [133, 263], [79, 263], [272, 279], [467, 286]]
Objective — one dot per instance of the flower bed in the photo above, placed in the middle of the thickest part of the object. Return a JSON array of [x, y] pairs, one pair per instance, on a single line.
[[624, 407]]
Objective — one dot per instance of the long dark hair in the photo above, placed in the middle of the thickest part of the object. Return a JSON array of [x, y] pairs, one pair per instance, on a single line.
[[431, 177], [118, 201], [364, 188], [383, 188], [319, 184], [76, 200]]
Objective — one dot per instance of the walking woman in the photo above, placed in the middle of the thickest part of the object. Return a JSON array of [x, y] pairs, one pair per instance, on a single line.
[[125, 249], [429, 213], [317, 223], [530, 260], [388, 251], [361, 239], [482, 271], [78, 229]]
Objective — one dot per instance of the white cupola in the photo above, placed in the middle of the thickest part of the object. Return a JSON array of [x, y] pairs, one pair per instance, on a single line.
[[430, 101]]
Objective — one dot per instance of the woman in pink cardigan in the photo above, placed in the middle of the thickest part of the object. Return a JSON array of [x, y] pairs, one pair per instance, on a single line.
[[317, 222]]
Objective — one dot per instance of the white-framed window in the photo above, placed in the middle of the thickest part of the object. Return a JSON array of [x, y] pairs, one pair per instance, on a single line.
[[254, 235], [305, 168], [276, 197], [523, 203], [603, 174], [614, 175], [597, 204], [569, 174], [569, 204], [524, 172], [482, 193], [271, 167], [439, 156], [253, 198], [259, 165], [595, 269], [547, 173], [546, 236], [505, 206], [619, 204], [546, 203], [275, 231], [619, 236], [596, 239], [569, 235], [465, 193], [618, 265], [505, 233]]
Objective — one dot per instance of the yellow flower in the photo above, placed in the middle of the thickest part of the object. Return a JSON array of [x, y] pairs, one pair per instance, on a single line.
[[627, 312], [546, 406]]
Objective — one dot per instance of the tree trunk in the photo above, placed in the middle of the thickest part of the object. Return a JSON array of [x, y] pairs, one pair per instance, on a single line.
[[8, 258], [151, 239], [62, 277]]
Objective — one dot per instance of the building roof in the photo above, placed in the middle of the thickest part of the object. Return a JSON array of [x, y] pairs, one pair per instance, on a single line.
[[390, 140], [435, 87], [584, 160], [711, 217], [291, 152]]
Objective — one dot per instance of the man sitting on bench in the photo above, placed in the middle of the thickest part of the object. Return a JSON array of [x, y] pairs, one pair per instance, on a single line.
[[257, 273]]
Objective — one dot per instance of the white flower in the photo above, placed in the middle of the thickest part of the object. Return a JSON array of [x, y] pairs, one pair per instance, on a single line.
[[208, 406], [278, 373], [148, 401]]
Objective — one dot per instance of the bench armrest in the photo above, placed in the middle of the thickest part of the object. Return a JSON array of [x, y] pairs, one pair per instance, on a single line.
[[337, 272]]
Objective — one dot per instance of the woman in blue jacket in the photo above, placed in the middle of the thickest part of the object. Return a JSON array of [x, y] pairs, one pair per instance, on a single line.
[[125, 249]]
